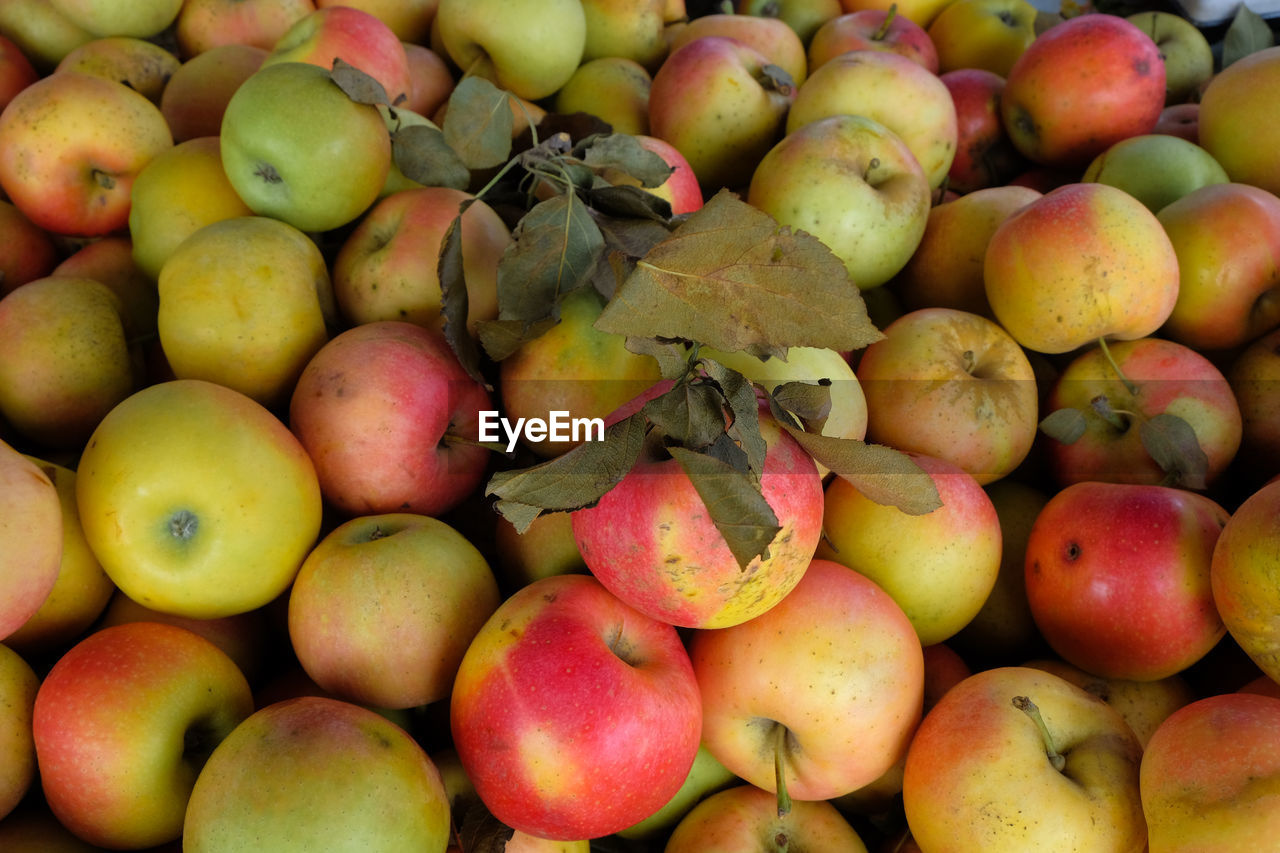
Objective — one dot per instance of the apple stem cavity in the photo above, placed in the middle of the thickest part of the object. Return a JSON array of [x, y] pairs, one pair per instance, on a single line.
[[780, 769], [1026, 706], [883, 31], [183, 525]]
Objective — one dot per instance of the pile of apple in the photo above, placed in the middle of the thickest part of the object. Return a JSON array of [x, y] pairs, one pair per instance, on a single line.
[[621, 425]]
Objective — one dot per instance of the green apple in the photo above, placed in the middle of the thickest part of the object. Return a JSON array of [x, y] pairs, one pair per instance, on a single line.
[[612, 88], [18, 685], [138, 18], [296, 148], [1155, 168], [806, 17], [1185, 49], [44, 34], [1233, 123], [625, 29], [315, 773], [144, 64]]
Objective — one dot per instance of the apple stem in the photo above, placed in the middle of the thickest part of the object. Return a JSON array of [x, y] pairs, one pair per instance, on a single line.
[[1026, 706], [780, 769], [888, 22], [1106, 353], [452, 439]]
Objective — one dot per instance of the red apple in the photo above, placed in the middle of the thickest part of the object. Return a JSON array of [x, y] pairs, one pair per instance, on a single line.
[[29, 250], [985, 155], [16, 71], [206, 24], [196, 96], [872, 29]]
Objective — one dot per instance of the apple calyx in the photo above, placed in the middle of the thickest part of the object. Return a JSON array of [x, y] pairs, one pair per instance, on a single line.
[[183, 525], [1025, 705], [780, 734], [105, 180]]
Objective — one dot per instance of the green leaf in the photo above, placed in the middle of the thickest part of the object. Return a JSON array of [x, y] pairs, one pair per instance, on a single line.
[[731, 278], [477, 123], [623, 152], [422, 155], [501, 338], [1172, 443], [358, 85], [691, 414], [453, 298], [573, 480], [672, 356], [629, 201], [734, 502], [1065, 425], [808, 401], [744, 407], [1247, 33], [884, 474], [626, 241]]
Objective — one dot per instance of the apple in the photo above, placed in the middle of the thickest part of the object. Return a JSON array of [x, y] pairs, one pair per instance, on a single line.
[[16, 71], [431, 78], [30, 253], [296, 148], [18, 686], [706, 777], [1086, 261], [528, 47], [652, 543], [819, 695], [31, 535], [77, 182], [410, 20], [140, 64], [1185, 49], [123, 724], [745, 819], [1156, 377], [772, 37], [41, 32], [953, 385], [625, 29], [1209, 773], [82, 590], [734, 116], [384, 607], [1118, 578], [620, 736], [1227, 239], [316, 773], [985, 155], [64, 359], [1231, 106], [138, 18], [1155, 168], [389, 418], [386, 267], [872, 29], [177, 193], [1243, 573], [939, 567], [614, 89], [1080, 86], [983, 34], [891, 89], [1254, 377], [197, 93], [983, 774], [1143, 704], [680, 190], [852, 183], [203, 25], [546, 547], [946, 269], [572, 367], [197, 500], [921, 11], [353, 35], [245, 302], [1181, 120]]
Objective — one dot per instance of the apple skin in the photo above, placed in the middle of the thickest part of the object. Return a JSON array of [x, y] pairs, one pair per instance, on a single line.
[[1209, 776], [872, 29], [41, 32], [625, 29], [985, 155], [1227, 239], [386, 267], [1157, 169], [1118, 578], [772, 37], [1181, 120], [622, 734], [77, 182], [316, 773], [1243, 573], [651, 542], [528, 47], [123, 723], [939, 567], [833, 675], [946, 269], [983, 34], [1083, 262], [197, 500], [296, 148], [1185, 49], [546, 547], [614, 89], [899, 93], [744, 819], [1080, 86], [431, 76], [203, 25], [681, 190], [707, 102], [410, 20], [1230, 129], [16, 71], [806, 17], [855, 185], [373, 409], [1254, 376], [30, 536], [706, 777], [384, 606], [197, 93], [30, 254], [18, 686], [953, 385], [64, 359], [921, 11], [141, 19], [352, 35], [142, 65], [1171, 378]]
